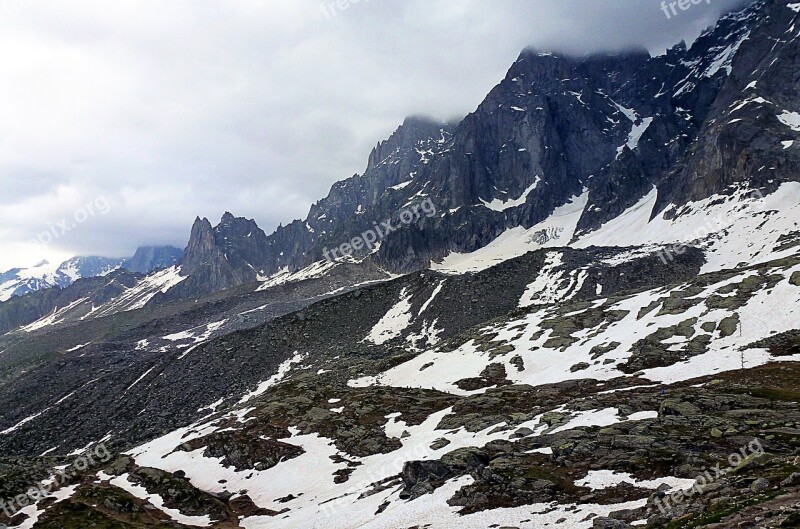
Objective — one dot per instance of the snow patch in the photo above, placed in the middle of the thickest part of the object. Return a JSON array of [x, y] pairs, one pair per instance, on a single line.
[[556, 230], [605, 479], [502, 205], [394, 322], [791, 120], [283, 370]]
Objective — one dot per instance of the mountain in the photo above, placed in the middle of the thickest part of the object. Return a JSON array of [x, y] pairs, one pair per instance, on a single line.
[[225, 256], [150, 258], [597, 134], [18, 281], [21, 281], [589, 320]]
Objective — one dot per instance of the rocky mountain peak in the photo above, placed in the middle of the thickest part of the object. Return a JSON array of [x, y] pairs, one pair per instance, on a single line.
[[201, 244], [149, 258], [605, 128], [413, 131], [232, 253]]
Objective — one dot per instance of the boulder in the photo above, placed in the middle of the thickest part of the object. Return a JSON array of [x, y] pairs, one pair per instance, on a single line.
[[609, 523]]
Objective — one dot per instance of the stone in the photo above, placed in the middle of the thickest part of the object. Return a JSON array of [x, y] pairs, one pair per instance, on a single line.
[[728, 326], [609, 523], [679, 408], [792, 480], [554, 418], [760, 485], [522, 432], [417, 477], [518, 362], [440, 443]]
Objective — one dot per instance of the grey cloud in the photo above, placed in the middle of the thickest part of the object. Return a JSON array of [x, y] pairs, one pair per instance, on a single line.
[[185, 108]]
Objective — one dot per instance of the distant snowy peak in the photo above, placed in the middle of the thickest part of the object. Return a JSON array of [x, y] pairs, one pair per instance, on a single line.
[[22, 281], [18, 282], [80, 267]]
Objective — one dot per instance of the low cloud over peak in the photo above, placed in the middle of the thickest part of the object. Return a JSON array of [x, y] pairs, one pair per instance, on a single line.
[[170, 111]]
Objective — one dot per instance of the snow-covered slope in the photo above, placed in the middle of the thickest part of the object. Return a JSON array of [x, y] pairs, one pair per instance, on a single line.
[[743, 226], [22, 281], [548, 355]]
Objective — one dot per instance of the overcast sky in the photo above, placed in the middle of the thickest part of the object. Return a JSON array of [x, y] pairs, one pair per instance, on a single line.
[[156, 112]]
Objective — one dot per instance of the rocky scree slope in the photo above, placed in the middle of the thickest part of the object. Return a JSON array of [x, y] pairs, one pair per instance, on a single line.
[[386, 405]]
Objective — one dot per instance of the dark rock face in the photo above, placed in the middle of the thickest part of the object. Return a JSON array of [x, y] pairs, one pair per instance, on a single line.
[[689, 124], [570, 122], [740, 141], [150, 258], [222, 257]]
